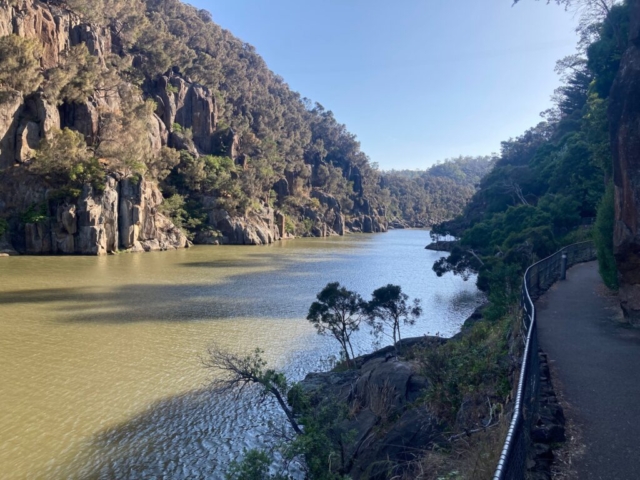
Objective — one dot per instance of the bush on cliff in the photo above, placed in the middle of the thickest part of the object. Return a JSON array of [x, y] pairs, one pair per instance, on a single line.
[[20, 64], [603, 237], [65, 161]]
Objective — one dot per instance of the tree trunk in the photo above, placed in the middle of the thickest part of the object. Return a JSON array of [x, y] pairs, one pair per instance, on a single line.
[[286, 410]]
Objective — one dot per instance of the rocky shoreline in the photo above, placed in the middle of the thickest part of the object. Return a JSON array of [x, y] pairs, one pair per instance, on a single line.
[[387, 422], [442, 245]]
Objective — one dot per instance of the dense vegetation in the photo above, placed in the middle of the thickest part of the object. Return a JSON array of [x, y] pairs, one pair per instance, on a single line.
[[551, 180], [271, 146], [427, 197]]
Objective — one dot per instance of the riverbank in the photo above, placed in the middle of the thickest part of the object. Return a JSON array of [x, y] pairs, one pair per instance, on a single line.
[[442, 245], [407, 406]]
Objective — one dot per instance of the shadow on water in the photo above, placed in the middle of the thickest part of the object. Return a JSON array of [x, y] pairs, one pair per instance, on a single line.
[[194, 435], [272, 293]]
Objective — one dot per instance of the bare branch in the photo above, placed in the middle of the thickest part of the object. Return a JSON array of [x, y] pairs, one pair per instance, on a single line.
[[237, 373]]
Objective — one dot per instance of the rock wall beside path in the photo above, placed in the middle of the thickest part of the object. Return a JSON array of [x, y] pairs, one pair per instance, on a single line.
[[624, 116]]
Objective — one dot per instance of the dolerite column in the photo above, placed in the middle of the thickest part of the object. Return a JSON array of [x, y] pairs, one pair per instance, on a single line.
[[624, 117]]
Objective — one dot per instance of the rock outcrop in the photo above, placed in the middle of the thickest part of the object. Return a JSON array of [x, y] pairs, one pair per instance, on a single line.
[[124, 216], [624, 116], [256, 228], [385, 425], [189, 105]]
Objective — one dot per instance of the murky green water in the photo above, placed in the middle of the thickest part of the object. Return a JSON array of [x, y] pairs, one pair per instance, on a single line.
[[101, 373]]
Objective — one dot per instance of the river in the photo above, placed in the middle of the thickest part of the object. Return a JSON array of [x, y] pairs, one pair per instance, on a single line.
[[101, 357]]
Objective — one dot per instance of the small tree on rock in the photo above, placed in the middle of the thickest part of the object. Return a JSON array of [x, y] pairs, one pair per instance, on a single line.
[[337, 312], [241, 372], [389, 307]]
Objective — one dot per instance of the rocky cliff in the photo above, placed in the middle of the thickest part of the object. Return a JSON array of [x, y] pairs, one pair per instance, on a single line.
[[386, 425], [624, 115], [194, 121], [124, 216]]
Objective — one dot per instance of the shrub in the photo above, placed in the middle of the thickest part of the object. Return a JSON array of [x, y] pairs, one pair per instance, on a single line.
[[603, 238], [20, 64], [36, 213], [64, 160]]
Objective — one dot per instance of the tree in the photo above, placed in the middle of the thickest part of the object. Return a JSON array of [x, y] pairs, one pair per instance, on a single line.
[[241, 372], [20, 64], [64, 160], [338, 312], [124, 136], [75, 79], [389, 307]]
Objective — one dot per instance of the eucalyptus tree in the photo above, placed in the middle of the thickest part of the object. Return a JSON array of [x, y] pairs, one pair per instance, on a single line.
[[337, 312], [390, 307]]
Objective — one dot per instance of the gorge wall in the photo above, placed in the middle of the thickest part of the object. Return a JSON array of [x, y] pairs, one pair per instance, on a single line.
[[126, 213], [624, 115]]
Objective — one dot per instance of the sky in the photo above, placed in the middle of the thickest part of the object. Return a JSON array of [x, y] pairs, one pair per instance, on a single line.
[[417, 81]]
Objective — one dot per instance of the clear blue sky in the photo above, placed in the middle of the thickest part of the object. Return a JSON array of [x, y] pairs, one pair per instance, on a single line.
[[416, 80]]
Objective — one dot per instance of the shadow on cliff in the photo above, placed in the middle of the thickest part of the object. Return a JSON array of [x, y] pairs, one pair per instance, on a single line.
[[181, 437]]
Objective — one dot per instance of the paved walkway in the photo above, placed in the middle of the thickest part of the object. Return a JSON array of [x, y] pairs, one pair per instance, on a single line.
[[596, 366]]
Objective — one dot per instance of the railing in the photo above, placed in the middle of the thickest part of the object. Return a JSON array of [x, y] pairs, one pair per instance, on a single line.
[[537, 279]]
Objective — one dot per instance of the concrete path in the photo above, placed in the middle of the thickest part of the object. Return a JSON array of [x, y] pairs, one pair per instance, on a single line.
[[595, 363]]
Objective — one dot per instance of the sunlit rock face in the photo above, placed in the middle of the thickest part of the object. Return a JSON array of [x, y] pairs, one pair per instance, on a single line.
[[624, 116]]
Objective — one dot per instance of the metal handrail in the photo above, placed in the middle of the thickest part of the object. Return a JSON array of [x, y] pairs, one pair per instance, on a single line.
[[529, 313]]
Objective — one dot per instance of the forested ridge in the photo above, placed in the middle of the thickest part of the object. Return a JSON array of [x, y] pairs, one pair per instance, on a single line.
[[155, 89], [554, 180]]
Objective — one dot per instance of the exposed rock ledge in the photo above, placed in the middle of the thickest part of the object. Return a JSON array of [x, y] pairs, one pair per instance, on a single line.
[[441, 246], [380, 393], [124, 216]]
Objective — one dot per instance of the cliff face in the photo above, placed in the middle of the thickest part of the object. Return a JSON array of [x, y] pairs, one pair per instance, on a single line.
[[188, 119], [124, 216], [624, 114]]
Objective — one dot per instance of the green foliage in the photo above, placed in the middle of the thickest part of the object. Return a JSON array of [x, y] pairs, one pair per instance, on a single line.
[[289, 226], [434, 195], [603, 237], [549, 180], [4, 227], [124, 140], [35, 213], [307, 225], [64, 160], [76, 77], [160, 166], [253, 466], [20, 64], [322, 442], [337, 312], [470, 368], [389, 307]]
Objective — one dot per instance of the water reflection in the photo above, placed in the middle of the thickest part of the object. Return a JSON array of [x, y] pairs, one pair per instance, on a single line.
[[101, 363]]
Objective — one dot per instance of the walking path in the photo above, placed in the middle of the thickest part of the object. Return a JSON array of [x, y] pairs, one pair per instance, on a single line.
[[595, 363]]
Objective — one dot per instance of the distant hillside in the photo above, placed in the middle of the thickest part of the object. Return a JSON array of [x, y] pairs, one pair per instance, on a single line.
[[422, 198]]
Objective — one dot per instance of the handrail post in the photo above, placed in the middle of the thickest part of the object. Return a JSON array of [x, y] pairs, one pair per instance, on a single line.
[[563, 266]]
